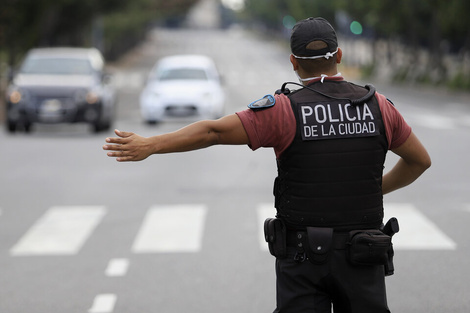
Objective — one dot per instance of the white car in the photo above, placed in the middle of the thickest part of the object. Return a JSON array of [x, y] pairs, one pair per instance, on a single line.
[[181, 86]]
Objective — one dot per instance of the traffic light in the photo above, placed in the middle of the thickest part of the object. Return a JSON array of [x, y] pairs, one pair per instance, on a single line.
[[356, 28]]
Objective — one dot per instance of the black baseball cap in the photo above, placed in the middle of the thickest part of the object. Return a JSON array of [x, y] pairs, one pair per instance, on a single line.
[[313, 29]]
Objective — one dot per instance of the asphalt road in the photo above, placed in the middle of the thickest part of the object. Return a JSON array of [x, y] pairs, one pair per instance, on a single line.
[[80, 232]]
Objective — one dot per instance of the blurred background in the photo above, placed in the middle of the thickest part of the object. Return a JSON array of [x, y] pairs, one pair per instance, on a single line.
[[413, 41], [424, 42], [80, 232]]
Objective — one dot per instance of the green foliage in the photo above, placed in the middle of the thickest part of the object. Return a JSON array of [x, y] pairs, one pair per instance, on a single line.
[[437, 26], [121, 23], [367, 71], [460, 81], [415, 22]]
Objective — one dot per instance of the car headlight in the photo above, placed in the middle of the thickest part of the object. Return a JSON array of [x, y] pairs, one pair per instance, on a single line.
[[88, 96], [15, 97], [92, 97]]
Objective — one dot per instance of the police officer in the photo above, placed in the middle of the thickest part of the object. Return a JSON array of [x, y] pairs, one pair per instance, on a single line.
[[330, 138]]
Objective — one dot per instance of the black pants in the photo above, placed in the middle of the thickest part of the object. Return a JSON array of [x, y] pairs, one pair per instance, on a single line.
[[310, 288]]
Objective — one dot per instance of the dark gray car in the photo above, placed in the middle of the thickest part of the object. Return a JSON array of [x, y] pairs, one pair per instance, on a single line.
[[60, 85]]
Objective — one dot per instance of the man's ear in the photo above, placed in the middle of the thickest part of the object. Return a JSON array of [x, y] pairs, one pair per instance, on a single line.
[[339, 55], [294, 62]]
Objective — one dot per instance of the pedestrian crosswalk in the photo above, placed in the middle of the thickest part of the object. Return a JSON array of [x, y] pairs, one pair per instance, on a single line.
[[436, 121], [417, 232], [181, 228], [175, 228], [60, 231]]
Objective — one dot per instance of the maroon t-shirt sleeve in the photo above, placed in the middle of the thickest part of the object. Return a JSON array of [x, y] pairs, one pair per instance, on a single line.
[[396, 128], [271, 127]]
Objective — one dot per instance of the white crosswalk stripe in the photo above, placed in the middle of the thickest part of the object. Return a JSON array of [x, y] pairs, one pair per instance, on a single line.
[[417, 232], [60, 231], [180, 228], [434, 121], [172, 228], [117, 267], [103, 303]]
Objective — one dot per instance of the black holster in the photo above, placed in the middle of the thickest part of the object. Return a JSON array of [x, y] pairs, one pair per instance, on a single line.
[[371, 247], [275, 236]]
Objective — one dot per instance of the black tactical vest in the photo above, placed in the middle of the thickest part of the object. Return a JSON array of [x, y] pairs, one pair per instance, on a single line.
[[331, 174]]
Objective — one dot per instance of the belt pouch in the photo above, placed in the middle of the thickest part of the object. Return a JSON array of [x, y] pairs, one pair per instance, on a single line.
[[369, 247], [319, 244], [275, 236]]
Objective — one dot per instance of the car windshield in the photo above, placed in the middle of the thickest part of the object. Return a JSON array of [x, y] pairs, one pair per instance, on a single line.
[[57, 66], [182, 73]]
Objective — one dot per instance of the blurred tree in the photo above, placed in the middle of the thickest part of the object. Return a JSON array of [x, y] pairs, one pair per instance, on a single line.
[[301, 9], [121, 23], [409, 27]]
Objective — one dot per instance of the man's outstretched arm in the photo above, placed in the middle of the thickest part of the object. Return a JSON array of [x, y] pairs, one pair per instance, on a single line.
[[132, 147]]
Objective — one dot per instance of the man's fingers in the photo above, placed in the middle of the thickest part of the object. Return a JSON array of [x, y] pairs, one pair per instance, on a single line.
[[115, 153], [123, 156], [121, 140], [123, 134], [124, 147], [120, 155], [124, 159], [117, 147]]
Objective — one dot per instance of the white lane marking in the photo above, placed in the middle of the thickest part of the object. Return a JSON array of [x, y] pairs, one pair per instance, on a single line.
[[433, 121], [60, 231], [467, 208], [117, 267], [129, 80], [171, 228], [264, 211], [103, 303], [417, 232], [465, 120]]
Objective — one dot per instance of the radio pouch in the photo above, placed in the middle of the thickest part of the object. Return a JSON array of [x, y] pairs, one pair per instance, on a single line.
[[319, 244], [275, 236], [369, 247]]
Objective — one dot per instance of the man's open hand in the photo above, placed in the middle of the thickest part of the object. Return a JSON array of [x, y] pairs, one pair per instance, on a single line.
[[127, 147]]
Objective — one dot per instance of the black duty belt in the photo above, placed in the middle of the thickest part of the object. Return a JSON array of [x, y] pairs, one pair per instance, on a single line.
[[340, 239]]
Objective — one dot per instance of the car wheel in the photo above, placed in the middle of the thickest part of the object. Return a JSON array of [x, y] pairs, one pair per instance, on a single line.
[[27, 127], [151, 122], [11, 126], [99, 127]]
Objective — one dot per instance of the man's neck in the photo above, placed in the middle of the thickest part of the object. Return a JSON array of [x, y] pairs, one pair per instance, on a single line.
[[306, 80]]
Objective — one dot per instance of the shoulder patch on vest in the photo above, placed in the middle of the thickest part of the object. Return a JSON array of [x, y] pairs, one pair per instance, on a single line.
[[265, 102]]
